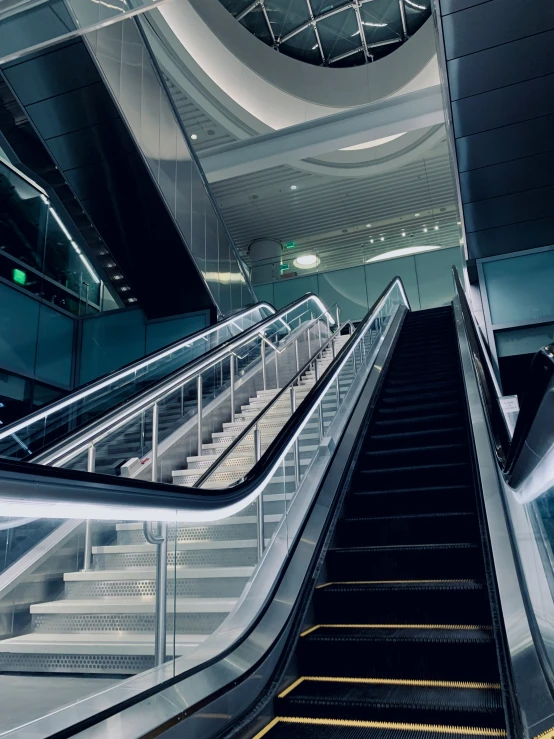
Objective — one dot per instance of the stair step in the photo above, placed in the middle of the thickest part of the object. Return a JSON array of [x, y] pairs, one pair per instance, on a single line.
[[405, 702], [400, 651], [418, 528], [416, 475], [426, 601], [414, 562], [434, 499]]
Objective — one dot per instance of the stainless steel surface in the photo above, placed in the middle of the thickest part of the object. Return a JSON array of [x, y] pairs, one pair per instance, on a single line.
[[199, 412], [232, 386], [87, 555], [161, 598], [155, 430], [259, 504], [533, 693]]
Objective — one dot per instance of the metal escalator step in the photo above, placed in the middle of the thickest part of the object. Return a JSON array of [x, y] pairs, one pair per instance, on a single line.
[[445, 652], [432, 499], [418, 562], [294, 727], [426, 601], [416, 528], [416, 475], [404, 701]]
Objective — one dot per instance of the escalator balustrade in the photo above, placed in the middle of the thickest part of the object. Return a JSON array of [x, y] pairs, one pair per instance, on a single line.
[[398, 639]]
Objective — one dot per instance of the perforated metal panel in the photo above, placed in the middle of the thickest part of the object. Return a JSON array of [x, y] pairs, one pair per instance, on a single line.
[[81, 663], [210, 557], [224, 587], [186, 623]]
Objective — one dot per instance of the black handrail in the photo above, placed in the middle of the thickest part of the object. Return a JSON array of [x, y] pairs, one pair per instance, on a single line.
[[25, 480], [540, 375]]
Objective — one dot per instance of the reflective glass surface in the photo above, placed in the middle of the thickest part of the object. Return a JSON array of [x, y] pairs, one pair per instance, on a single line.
[[344, 35]]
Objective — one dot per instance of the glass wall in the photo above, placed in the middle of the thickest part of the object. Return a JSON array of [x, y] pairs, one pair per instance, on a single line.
[[131, 72], [37, 252]]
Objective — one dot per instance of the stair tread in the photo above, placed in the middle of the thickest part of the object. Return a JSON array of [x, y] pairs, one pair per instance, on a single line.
[[364, 633], [138, 604], [390, 695]]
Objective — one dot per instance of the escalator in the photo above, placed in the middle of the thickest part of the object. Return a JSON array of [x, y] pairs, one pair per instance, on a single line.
[[367, 555], [403, 632]]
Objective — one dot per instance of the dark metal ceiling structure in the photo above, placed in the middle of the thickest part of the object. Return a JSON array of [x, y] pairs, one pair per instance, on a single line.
[[341, 33]]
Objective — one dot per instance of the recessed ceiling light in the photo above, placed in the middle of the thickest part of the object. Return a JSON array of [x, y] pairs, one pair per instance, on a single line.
[[403, 233], [417, 215], [307, 261], [371, 241], [459, 223], [382, 238], [406, 251], [194, 137], [368, 225], [436, 228], [293, 187], [425, 229]]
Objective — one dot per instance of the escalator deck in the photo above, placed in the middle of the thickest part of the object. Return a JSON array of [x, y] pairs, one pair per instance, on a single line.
[[401, 642]]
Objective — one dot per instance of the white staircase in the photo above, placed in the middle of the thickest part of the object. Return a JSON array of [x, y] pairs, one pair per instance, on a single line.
[[102, 621], [241, 460]]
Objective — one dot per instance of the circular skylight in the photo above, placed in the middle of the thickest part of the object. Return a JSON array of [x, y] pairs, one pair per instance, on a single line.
[[338, 33]]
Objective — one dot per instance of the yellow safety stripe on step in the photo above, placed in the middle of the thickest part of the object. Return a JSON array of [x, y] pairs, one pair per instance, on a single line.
[[458, 627], [392, 681], [437, 729], [386, 582], [548, 734]]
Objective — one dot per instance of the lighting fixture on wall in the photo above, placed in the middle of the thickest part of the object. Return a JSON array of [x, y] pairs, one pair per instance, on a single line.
[[406, 252], [307, 261]]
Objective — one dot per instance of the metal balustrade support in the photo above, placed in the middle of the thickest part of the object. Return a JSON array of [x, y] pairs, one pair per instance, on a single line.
[[155, 427], [160, 629], [296, 444], [232, 385], [87, 557], [199, 412], [260, 508]]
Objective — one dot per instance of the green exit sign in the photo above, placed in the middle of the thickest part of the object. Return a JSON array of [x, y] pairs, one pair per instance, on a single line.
[[284, 267], [19, 276], [289, 245]]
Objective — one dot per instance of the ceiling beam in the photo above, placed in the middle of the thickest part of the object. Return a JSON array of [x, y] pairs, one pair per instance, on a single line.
[[395, 115]]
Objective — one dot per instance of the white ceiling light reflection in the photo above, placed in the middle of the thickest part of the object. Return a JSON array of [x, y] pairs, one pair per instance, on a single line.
[[375, 142], [406, 252], [307, 261]]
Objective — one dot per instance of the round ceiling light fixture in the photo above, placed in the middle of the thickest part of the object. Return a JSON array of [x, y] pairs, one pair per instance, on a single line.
[[293, 187], [307, 261], [194, 137]]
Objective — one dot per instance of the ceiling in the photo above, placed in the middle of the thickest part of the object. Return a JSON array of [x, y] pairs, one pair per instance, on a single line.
[[341, 33], [328, 215]]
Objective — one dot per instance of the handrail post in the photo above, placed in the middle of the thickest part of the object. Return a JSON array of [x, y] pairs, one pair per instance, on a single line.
[[87, 557], [199, 412], [160, 612], [155, 424], [161, 598], [338, 316], [260, 508], [264, 374], [296, 445], [276, 368], [297, 355], [309, 344], [232, 381]]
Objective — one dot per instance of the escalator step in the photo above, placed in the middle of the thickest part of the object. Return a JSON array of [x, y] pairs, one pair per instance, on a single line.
[[409, 701], [419, 528], [444, 602], [416, 475], [431, 421], [454, 434], [416, 562], [314, 728], [416, 388], [400, 651], [406, 455], [419, 409], [439, 499], [422, 397]]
